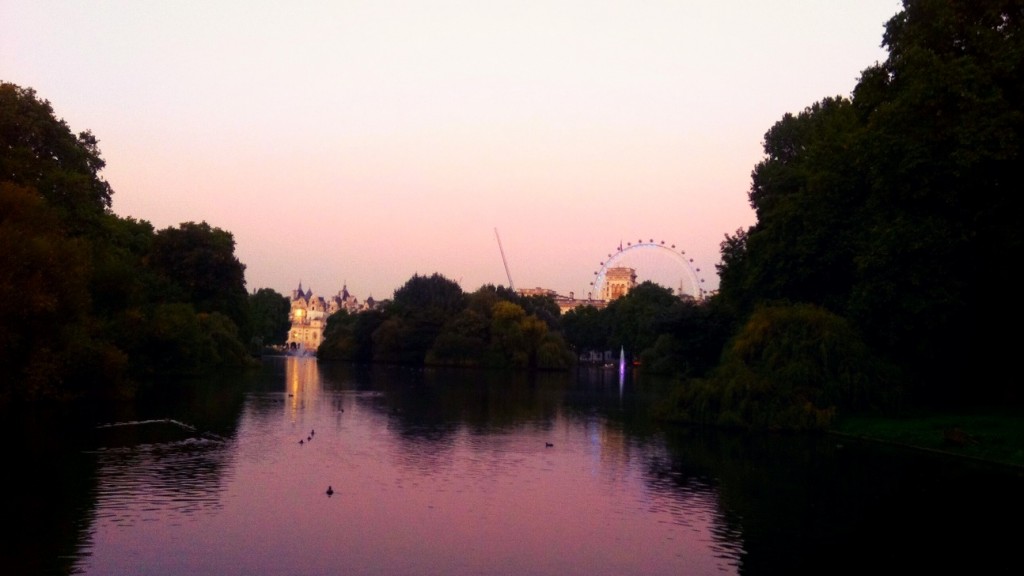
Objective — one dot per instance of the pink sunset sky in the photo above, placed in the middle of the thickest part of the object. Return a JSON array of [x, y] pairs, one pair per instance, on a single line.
[[361, 142]]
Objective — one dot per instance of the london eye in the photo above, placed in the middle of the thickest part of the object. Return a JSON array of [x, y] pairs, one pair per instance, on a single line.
[[657, 262]]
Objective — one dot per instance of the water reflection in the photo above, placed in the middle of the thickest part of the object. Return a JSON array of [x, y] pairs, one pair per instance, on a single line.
[[303, 383], [475, 472]]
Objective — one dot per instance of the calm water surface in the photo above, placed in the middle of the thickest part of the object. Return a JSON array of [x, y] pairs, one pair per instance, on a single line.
[[474, 473]]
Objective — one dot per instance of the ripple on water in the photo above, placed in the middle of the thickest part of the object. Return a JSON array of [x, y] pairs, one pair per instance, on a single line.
[[158, 468]]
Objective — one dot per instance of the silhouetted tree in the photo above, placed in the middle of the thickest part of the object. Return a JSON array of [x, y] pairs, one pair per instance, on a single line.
[[586, 330], [789, 367], [633, 319], [894, 207], [86, 296], [418, 311], [198, 262], [268, 316], [39, 152]]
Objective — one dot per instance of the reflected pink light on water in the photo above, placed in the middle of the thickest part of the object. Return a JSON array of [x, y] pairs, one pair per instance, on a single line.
[[465, 503]]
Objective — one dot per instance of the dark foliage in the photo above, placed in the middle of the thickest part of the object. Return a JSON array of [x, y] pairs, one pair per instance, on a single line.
[[431, 321], [899, 208], [40, 152], [268, 317], [90, 303]]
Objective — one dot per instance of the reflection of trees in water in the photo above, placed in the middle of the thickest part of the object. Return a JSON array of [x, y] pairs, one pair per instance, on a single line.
[[167, 454], [817, 504], [429, 408], [154, 481], [50, 482], [174, 453], [55, 468]]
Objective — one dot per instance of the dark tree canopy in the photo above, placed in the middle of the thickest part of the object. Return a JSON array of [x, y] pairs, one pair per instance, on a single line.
[[434, 292], [40, 152], [199, 261], [809, 196], [899, 208], [92, 304], [634, 317], [44, 298], [431, 321], [665, 333], [586, 329], [268, 316]]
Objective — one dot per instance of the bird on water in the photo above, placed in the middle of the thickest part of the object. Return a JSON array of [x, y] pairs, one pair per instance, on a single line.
[[330, 491]]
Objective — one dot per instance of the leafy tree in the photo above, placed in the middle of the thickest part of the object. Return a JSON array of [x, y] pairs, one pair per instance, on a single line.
[[149, 316], [418, 311], [534, 331], [737, 289], [339, 339], [808, 194], [553, 353], [586, 329], [268, 316], [350, 336], [521, 340], [543, 307], [814, 200], [121, 281], [85, 294], [395, 341], [633, 319], [462, 341], [482, 300], [946, 112], [431, 321], [891, 208], [789, 367], [51, 196], [509, 340], [44, 298], [198, 263], [433, 293], [224, 347], [668, 334], [366, 323], [42, 154], [173, 341], [691, 336]]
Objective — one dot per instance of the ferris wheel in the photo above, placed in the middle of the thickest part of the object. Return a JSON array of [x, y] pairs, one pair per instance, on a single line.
[[658, 262]]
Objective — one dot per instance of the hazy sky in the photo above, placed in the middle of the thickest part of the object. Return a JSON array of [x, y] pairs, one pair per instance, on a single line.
[[361, 142]]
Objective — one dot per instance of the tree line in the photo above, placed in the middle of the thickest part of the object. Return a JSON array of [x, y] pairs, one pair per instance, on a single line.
[[93, 305], [879, 274], [432, 321]]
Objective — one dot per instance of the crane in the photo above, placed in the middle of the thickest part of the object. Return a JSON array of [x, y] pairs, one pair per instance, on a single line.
[[503, 261]]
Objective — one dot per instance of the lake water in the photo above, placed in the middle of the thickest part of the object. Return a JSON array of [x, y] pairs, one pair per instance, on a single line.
[[477, 473]]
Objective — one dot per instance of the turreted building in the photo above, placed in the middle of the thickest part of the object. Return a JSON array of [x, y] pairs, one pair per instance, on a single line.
[[309, 313]]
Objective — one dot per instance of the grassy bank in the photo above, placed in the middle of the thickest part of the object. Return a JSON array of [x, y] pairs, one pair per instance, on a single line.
[[993, 436]]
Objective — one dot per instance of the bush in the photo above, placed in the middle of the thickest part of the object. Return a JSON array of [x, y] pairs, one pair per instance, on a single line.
[[789, 367]]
